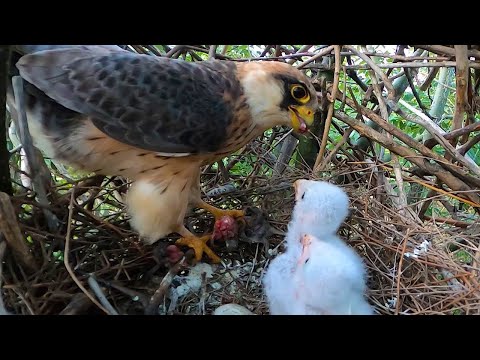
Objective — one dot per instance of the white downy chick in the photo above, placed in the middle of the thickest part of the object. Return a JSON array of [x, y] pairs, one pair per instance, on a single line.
[[318, 273]]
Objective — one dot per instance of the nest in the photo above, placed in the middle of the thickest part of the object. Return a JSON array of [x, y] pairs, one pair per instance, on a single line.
[[82, 257], [413, 268]]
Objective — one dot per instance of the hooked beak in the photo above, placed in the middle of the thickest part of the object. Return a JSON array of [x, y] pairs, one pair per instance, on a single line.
[[299, 187], [301, 117]]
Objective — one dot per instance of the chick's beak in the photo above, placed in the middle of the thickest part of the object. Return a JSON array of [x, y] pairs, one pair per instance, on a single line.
[[305, 255], [301, 117]]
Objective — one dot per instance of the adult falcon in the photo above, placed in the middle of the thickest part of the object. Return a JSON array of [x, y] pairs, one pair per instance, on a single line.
[[155, 120]]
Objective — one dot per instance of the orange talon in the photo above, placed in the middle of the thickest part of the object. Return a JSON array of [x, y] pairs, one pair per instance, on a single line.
[[199, 245], [218, 213]]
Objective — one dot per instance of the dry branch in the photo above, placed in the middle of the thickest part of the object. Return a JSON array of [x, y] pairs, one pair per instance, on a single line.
[[38, 170], [414, 144], [328, 120], [462, 76], [5, 183], [454, 183], [11, 231]]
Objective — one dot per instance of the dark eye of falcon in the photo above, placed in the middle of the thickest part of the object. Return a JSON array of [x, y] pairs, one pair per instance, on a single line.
[[303, 195], [299, 93]]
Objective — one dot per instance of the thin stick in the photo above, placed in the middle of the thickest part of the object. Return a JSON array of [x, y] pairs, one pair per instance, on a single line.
[[321, 53], [338, 145], [5, 183], [66, 254], [402, 198], [376, 68], [100, 295], [159, 295], [12, 233], [438, 133], [212, 52], [469, 144], [3, 247], [303, 49], [328, 120], [446, 177], [32, 154], [399, 272], [462, 131], [439, 64], [224, 49], [203, 293], [461, 100], [441, 49], [77, 305], [456, 170]]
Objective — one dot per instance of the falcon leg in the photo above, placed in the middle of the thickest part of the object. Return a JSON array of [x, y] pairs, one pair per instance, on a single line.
[[198, 244], [218, 213], [196, 200]]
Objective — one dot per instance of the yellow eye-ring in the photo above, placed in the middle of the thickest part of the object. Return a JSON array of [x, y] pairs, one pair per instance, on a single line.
[[299, 93]]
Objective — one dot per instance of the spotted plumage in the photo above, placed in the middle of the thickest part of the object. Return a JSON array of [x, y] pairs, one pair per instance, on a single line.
[[152, 119]]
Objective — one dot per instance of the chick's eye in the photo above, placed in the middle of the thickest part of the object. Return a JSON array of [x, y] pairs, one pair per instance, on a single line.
[[299, 93], [303, 195]]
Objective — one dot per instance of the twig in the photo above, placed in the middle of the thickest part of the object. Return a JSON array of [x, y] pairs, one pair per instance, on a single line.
[[159, 295], [437, 133], [338, 145], [461, 100], [10, 229], [463, 131], [203, 293], [441, 49], [286, 151], [321, 53], [402, 198], [78, 305], [3, 247], [414, 144], [328, 120], [428, 81], [144, 299], [457, 223], [266, 50], [153, 49], [446, 177], [415, 93], [376, 68], [440, 64], [173, 51], [469, 144], [399, 272], [303, 49], [225, 49], [400, 58], [100, 295], [37, 166], [5, 183], [212, 52], [66, 256]]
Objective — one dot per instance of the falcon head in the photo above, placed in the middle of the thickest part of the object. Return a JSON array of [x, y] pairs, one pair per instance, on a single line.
[[278, 94]]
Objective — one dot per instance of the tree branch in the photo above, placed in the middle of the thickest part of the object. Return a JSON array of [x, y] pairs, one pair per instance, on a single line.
[[5, 183], [461, 90], [447, 178]]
